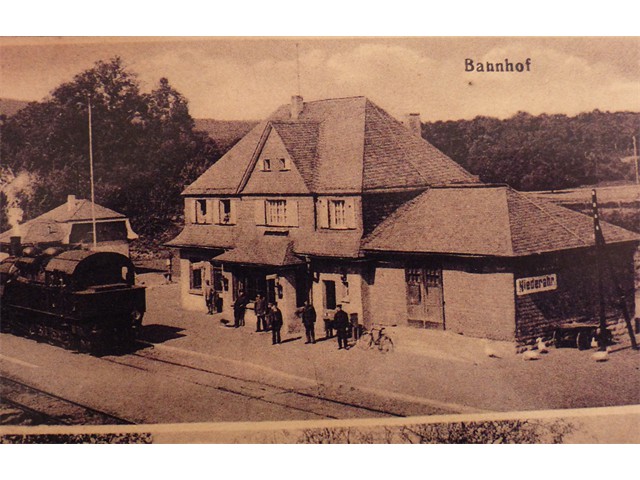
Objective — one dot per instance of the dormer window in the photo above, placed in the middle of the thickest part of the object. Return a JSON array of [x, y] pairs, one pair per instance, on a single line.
[[266, 164]]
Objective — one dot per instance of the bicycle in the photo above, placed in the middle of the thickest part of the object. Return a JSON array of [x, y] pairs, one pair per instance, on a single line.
[[377, 337]]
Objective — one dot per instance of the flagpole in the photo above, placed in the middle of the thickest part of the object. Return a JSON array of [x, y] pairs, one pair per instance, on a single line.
[[93, 198]]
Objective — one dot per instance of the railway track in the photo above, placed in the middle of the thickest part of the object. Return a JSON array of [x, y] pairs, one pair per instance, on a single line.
[[318, 405], [27, 405]]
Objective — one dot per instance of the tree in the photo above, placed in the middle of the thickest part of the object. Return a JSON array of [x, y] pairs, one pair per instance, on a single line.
[[541, 152], [145, 148]]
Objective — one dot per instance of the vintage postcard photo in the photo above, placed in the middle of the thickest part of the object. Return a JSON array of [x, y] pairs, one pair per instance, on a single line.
[[319, 240]]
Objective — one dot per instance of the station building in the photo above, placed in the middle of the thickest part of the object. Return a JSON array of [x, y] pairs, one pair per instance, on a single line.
[[338, 202], [72, 224]]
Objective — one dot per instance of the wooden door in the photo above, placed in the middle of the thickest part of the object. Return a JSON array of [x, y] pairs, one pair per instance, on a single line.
[[424, 297]]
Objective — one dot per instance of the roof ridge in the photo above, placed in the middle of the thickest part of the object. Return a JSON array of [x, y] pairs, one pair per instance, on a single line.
[[384, 225], [509, 226], [550, 215], [77, 205], [254, 156]]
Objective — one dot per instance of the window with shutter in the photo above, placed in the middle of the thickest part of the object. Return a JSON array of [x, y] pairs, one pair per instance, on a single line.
[[276, 212], [337, 214]]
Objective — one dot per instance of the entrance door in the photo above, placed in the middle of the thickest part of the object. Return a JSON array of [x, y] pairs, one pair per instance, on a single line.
[[271, 290], [329, 295], [424, 297]]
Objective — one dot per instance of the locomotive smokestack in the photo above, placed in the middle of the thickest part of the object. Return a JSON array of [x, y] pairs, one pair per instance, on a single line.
[[15, 246]]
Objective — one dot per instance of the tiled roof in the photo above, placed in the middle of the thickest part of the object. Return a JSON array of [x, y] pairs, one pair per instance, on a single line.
[[38, 231], [487, 220], [204, 236], [541, 225], [395, 157], [301, 141], [326, 243], [50, 226], [81, 212], [224, 177], [268, 251], [345, 145]]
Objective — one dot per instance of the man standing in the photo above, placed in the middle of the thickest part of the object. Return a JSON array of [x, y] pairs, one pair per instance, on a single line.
[[239, 308], [275, 319], [309, 321], [341, 324], [208, 297], [260, 308]]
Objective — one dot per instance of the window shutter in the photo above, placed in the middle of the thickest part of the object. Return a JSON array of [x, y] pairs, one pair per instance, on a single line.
[[233, 217], [350, 212], [214, 206], [190, 210], [322, 213], [292, 213], [259, 212]]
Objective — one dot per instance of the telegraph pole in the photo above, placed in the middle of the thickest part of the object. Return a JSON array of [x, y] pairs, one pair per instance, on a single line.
[[635, 158], [599, 242], [93, 196]]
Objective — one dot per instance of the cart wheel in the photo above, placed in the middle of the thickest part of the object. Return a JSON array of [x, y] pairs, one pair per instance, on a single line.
[[583, 340]]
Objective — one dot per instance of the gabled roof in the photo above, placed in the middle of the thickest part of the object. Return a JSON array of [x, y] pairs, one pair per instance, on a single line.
[[345, 145], [486, 220], [53, 226]]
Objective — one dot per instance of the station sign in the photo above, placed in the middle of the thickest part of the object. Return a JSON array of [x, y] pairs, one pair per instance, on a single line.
[[542, 283]]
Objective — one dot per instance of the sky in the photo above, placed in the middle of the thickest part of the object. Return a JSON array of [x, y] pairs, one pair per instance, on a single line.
[[245, 78]]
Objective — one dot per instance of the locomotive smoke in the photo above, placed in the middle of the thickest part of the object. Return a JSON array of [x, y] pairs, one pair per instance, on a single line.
[[14, 187]]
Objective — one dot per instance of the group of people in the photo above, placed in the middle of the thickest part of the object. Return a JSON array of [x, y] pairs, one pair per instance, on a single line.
[[268, 315], [211, 297], [269, 318], [340, 323]]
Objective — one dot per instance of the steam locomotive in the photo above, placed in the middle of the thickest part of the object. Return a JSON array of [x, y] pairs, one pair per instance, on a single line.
[[78, 299]]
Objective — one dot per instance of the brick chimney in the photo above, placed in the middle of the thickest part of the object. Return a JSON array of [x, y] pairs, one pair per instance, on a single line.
[[413, 123], [297, 105], [71, 203]]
